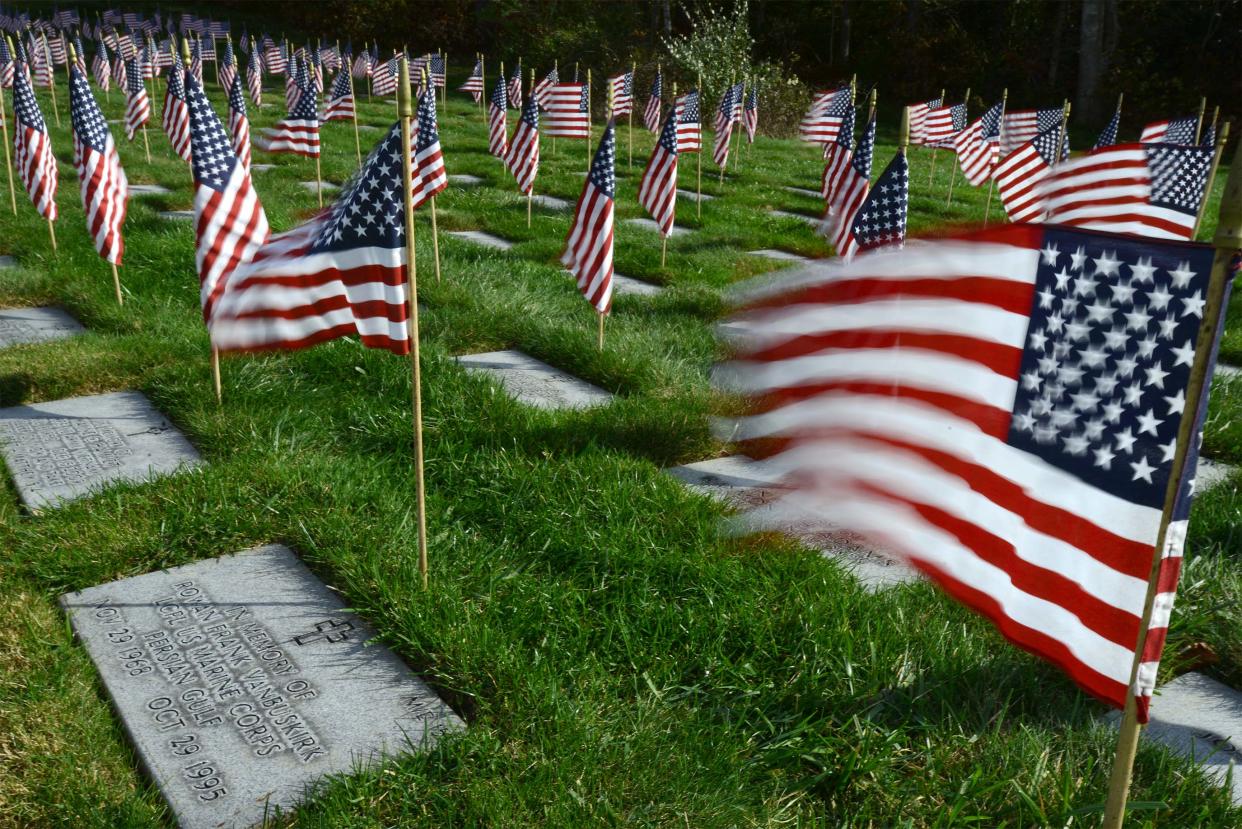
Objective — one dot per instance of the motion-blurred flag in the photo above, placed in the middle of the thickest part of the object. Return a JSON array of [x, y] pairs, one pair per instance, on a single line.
[[823, 120], [438, 77], [362, 65], [105, 192], [176, 115], [100, 66], [978, 146], [341, 99], [838, 156], [298, 132], [40, 61], [514, 90], [655, 103], [1176, 131], [474, 83], [943, 124], [254, 77], [523, 157], [621, 93], [137, 104], [1152, 190], [750, 115], [1109, 136], [726, 117], [689, 130], [239, 124], [1020, 126], [851, 185], [429, 176], [879, 219], [230, 224], [588, 248], [1018, 175], [497, 123], [227, 66], [343, 273], [657, 192], [6, 65], [384, 77], [196, 59], [274, 56], [565, 111], [33, 157], [541, 89], [918, 119], [965, 407]]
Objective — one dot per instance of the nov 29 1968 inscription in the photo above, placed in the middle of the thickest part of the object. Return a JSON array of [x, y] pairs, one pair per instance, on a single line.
[[242, 681]]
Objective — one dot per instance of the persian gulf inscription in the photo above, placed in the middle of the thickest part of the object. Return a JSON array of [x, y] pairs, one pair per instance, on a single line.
[[242, 680], [65, 449]]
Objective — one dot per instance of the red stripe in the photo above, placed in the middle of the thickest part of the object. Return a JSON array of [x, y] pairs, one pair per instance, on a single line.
[[1008, 295], [1002, 359]]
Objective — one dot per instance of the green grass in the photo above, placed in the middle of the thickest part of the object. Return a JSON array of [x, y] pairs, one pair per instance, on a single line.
[[617, 660]]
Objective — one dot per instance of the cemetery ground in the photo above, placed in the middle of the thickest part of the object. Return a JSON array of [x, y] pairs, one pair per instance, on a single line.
[[617, 659]]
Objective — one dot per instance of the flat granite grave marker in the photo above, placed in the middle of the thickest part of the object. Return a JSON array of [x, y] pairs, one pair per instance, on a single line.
[[35, 325], [66, 449], [242, 681], [802, 191], [148, 190], [802, 217], [778, 255], [464, 178], [650, 224], [8, 262], [550, 202], [262, 167], [314, 186], [751, 485], [481, 238], [177, 215], [534, 382], [1209, 473], [693, 196], [622, 284], [1198, 717]]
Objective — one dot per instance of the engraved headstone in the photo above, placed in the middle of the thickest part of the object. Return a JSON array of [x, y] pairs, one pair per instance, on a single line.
[[693, 196], [313, 186], [481, 238], [751, 485], [66, 449], [779, 255], [534, 382], [649, 224], [465, 179], [148, 190], [1198, 717], [35, 325], [242, 681], [550, 202]]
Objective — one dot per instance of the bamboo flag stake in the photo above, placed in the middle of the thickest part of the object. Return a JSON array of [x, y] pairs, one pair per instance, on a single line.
[[1227, 242], [435, 231], [932, 174], [600, 314], [354, 97], [987, 210], [1198, 124], [1065, 114], [1221, 138], [698, 159], [4, 132], [1215, 115], [953, 174], [406, 111]]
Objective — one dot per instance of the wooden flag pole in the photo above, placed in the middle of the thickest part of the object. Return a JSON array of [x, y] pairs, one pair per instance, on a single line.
[[353, 96], [1198, 123], [588, 97], [663, 249], [116, 283], [600, 314], [953, 174], [1215, 116], [1227, 242], [318, 181], [4, 131], [52, 232], [698, 159], [987, 210], [629, 139], [1221, 138], [932, 173], [215, 375], [406, 111], [1065, 114]]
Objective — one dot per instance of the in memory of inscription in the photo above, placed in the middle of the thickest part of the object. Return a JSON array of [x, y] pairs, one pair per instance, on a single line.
[[242, 681], [66, 449]]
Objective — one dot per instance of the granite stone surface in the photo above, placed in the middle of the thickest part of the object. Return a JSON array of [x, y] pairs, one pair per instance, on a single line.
[[534, 382], [35, 325]]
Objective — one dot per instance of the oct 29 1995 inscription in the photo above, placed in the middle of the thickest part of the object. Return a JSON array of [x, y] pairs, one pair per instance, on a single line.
[[242, 680]]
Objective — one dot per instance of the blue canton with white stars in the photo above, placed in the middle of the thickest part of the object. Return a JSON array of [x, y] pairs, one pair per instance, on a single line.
[[88, 122], [1181, 131], [176, 87], [657, 87], [958, 113], [603, 173], [305, 108], [25, 107], [839, 104], [866, 148], [1046, 143], [668, 135], [881, 220], [530, 113], [237, 99], [133, 77], [1109, 351], [1109, 136], [370, 211], [211, 149], [1178, 175], [690, 108], [845, 133], [340, 86], [428, 131], [500, 95], [990, 123]]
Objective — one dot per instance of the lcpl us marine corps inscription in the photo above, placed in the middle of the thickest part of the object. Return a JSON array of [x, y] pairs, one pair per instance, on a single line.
[[242, 680]]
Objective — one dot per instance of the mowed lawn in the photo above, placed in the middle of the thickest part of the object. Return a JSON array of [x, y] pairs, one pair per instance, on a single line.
[[618, 660]]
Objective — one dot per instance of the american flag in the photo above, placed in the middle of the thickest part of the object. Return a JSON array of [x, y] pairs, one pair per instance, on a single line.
[[137, 105], [316, 69], [274, 56], [298, 132], [655, 103], [239, 124], [105, 192], [726, 117], [523, 157], [1003, 410], [657, 191], [362, 64], [1176, 131], [343, 273], [1109, 136], [125, 46], [474, 83], [438, 77], [497, 123], [838, 156], [1020, 126], [541, 89], [879, 219], [1018, 175], [750, 115], [36, 165], [40, 61], [943, 124], [341, 99], [118, 68], [689, 131], [1150, 190], [56, 46], [823, 120], [588, 249], [196, 59], [1209, 136], [176, 116], [621, 93], [515, 88], [566, 113], [230, 225], [978, 146], [384, 77], [429, 175], [6, 66], [254, 77], [295, 82], [227, 66]]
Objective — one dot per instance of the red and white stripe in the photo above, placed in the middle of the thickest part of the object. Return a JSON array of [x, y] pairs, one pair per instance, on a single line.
[[842, 206], [1155, 132], [1017, 127], [938, 129], [563, 116], [239, 131], [522, 158], [105, 194], [836, 168], [918, 120], [291, 135], [497, 127], [176, 120], [1110, 189], [1017, 181], [36, 166], [817, 126], [230, 227], [976, 156], [429, 173], [621, 100], [657, 191], [588, 249], [887, 386]]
